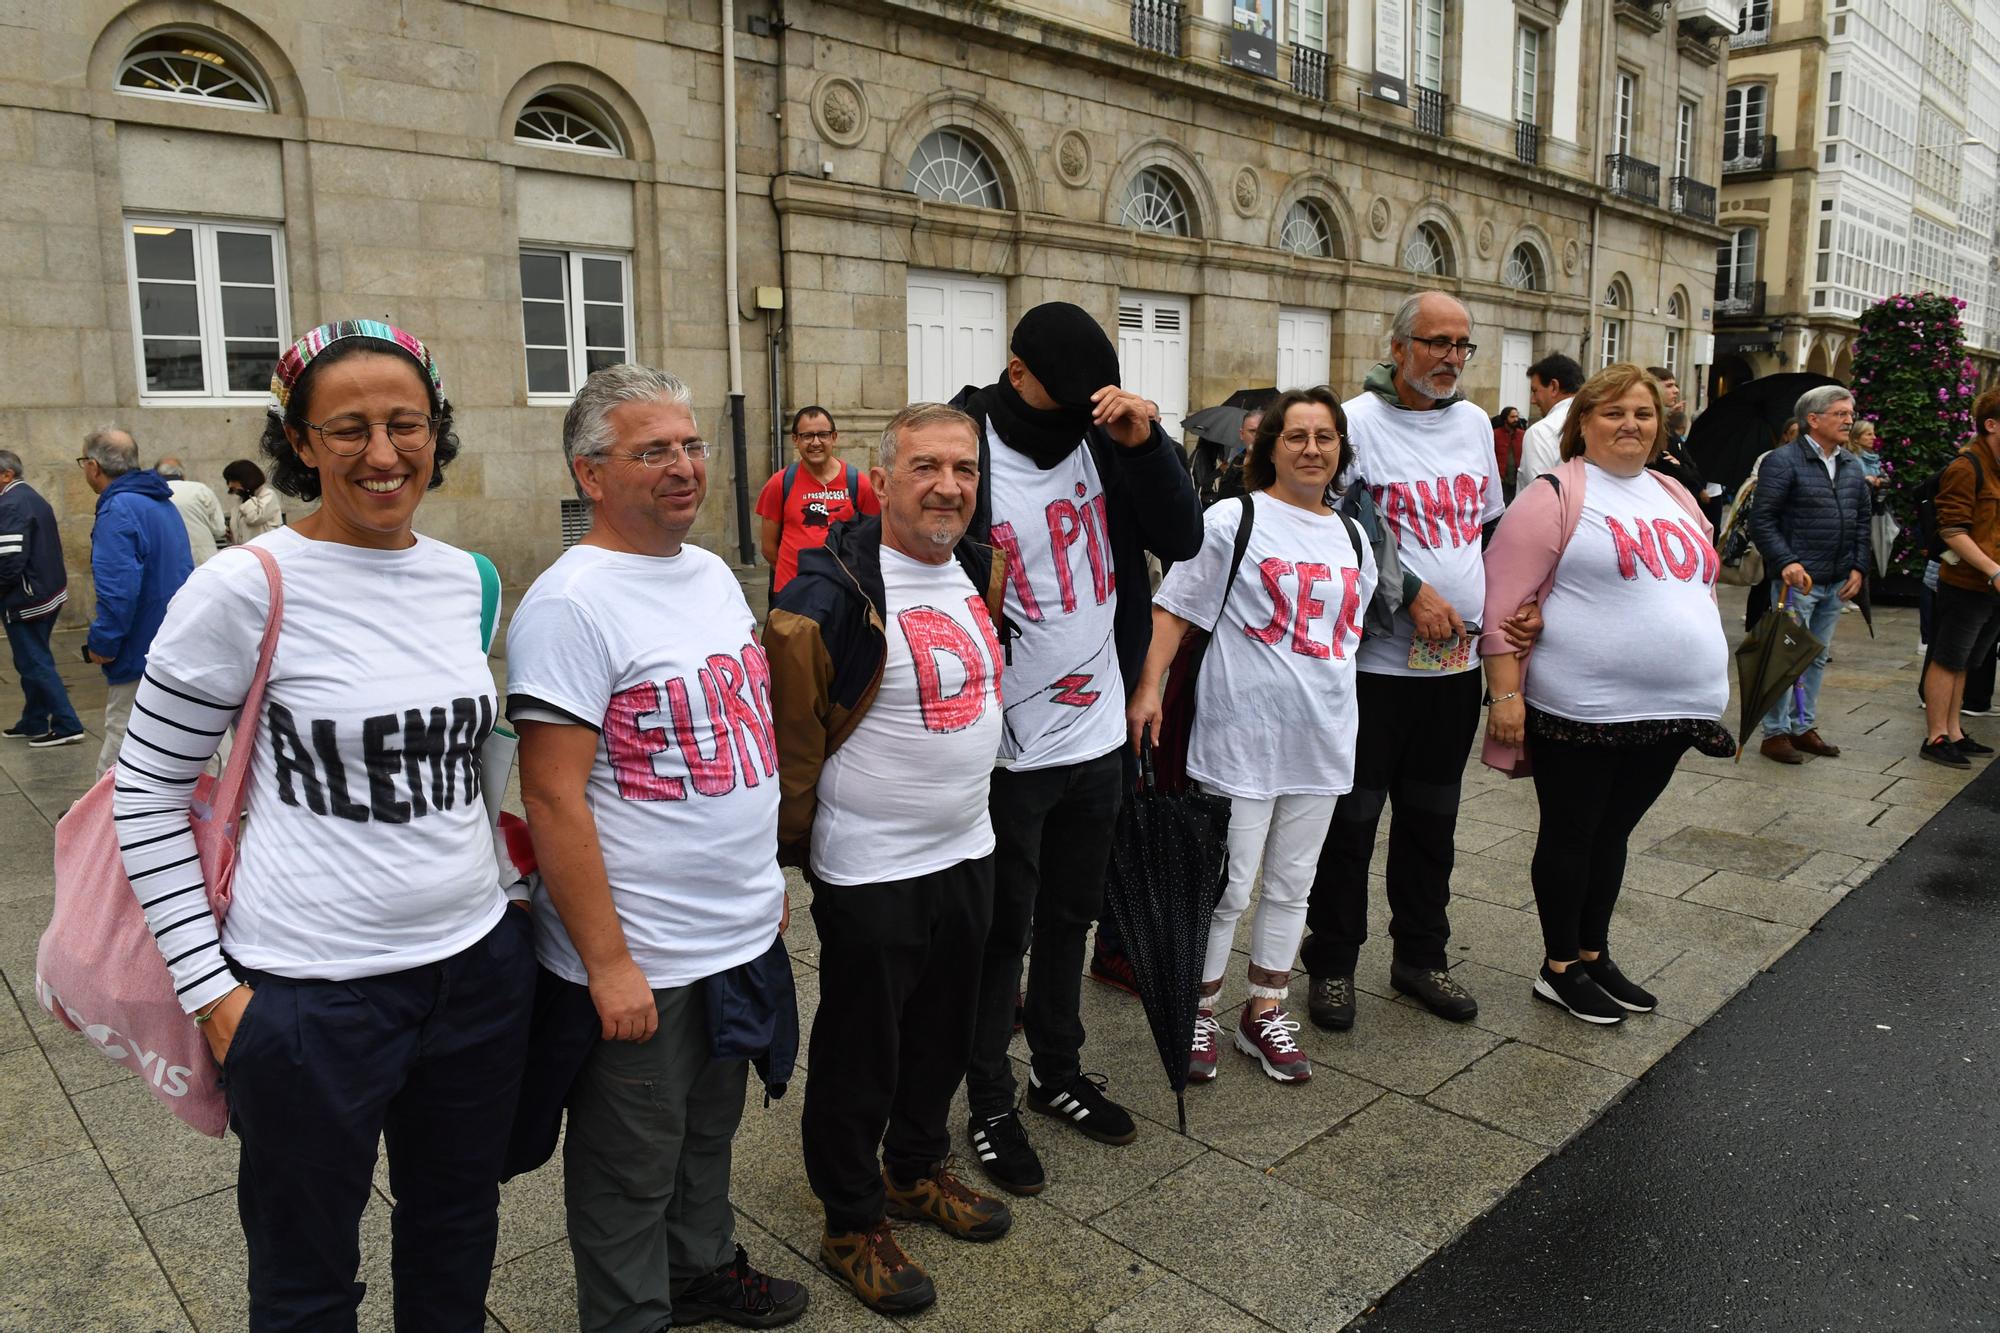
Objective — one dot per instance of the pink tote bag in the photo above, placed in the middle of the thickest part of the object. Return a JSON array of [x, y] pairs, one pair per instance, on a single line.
[[98, 969]]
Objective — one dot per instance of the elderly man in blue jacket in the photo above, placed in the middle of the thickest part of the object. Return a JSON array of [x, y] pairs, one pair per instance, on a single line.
[[139, 558], [1810, 522]]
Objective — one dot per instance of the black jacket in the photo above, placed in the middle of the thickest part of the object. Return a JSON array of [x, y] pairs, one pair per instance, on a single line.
[[33, 581], [827, 645], [1149, 505], [1800, 514]]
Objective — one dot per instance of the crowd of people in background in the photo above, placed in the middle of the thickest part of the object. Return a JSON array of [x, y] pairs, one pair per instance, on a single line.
[[938, 723]]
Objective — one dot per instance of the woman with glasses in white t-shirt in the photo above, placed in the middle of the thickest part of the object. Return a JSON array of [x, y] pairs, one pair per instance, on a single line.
[[1275, 713], [369, 981], [1631, 669]]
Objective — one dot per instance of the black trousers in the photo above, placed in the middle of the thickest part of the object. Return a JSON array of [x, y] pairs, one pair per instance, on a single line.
[[1591, 798], [429, 1059], [1052, 835], [1410, 751], [898, 969]]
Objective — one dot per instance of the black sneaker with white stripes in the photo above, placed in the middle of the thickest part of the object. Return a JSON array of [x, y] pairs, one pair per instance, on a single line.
[[1082, 1105], [1005, 1155]]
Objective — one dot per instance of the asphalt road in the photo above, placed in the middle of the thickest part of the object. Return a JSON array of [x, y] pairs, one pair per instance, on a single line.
[[1821, 1155]]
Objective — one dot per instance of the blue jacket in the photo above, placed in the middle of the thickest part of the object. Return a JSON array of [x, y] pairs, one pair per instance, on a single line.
[[33, 582], [1801, 514], [139, 559]]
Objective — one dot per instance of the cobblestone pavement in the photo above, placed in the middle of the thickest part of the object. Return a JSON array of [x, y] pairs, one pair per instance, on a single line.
[[1286, 1208]]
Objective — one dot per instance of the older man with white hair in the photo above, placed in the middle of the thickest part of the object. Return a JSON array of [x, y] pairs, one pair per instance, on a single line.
[[200, 510], [1426, 456], [1810, 522]]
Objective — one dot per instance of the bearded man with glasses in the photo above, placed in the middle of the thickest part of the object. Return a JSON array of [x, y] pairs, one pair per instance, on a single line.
[[1425, 455]]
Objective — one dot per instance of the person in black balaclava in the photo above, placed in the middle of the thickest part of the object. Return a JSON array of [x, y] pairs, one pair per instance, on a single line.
[[1077, 482]]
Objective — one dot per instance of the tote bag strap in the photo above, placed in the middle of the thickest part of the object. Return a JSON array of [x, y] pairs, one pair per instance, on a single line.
[[236, 773]]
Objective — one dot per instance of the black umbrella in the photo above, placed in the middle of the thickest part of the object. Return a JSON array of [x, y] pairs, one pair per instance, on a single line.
[[1770, 661], [1222, 423], [1726, 440], [1168, 858]]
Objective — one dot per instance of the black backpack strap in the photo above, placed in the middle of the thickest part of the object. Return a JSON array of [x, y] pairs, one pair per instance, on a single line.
[[1243, 527], [854, 487], [785, 491], [1553, 480]]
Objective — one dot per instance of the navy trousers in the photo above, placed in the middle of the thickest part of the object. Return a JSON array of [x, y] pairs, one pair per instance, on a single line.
[[428, 1058], [45, 706]]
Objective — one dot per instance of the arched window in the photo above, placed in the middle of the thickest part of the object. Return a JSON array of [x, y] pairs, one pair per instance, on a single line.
[[1524, 270], [191, 64], [1614, 324], [950, 166], [1307, 231], [1428, 254], [1155, 202], [1676, 307], [558, 119]]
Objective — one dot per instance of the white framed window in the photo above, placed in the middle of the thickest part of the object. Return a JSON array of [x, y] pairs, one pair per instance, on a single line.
[[1672, 359], [561, 119], [1309, 24], [1614, 325], [1743, 111], [192, 65], [1684, 122], [209, 308], [576, 316], [1307, 231], [1427, 44], [1624, 107], [1154, 202], [950, 167], [1527, 73], [1524, 270], [1428, 253]]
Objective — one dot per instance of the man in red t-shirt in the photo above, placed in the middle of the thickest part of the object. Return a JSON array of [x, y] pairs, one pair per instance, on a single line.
[[801, 502]]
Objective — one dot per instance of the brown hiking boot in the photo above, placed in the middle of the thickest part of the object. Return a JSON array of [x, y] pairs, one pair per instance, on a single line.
[[947, 1203], [1809, 741], [1781, 749], [875, 1267]]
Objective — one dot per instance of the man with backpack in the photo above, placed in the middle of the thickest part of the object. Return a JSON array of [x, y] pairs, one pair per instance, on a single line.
[[800, 504], [1966, 614], [1810, 522]]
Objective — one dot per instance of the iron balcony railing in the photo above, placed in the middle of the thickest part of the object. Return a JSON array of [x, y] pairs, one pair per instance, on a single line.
[[1156, 25], [1756, 31], [1429, 106], [1527, 142], [1691, 198], [1738, 298], [1749, 152], [1309, 72], [1627, 176]]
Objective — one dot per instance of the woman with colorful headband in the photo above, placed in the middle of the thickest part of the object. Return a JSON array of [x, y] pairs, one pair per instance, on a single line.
[[369, 980]]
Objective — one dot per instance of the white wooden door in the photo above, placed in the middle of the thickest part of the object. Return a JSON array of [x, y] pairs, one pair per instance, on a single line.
[[1305, 347], [1153, 352], [958, 333], [1517, 353]]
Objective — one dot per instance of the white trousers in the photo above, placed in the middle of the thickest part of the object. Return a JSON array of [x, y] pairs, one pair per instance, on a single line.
[[1284, 835], [117, 712]]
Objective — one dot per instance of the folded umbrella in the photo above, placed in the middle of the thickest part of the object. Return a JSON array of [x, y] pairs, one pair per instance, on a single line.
[[1883, 529], [1770, 661], [1168, 855]]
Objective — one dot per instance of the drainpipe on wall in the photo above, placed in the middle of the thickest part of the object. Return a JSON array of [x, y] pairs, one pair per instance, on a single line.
[[746, 549], [1607, 37]]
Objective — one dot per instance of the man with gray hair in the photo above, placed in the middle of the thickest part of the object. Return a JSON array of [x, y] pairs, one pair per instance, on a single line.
[[200, 511], [139, 558], [33, 587], [650, 776], [885, 682], [1426, 456], [1809, 519]]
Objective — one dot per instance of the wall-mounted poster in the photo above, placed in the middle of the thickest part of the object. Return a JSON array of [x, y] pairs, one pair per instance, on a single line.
[[1391, 45], [1253, 42]]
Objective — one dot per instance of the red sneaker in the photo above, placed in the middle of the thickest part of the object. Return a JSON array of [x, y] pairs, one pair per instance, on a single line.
[[1267, 1038], [1114, 970], [1202, 1057]]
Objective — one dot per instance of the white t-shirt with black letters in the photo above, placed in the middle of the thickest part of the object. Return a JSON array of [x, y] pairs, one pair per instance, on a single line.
[[659, 655], [1275, 711], [905, 794]]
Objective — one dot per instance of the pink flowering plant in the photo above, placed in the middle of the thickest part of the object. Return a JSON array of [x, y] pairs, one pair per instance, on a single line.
[[1914, 381]]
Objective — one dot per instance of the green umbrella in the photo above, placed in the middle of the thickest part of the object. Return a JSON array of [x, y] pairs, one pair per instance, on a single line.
[[1770, 661]]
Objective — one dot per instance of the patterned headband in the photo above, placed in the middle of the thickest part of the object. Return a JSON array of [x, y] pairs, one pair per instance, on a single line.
[[293, 363]]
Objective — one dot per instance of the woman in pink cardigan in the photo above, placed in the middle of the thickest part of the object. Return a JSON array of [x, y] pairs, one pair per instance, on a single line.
[[1630, 671]]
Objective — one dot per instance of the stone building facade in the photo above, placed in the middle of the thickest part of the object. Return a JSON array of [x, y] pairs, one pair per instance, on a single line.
[[536, 189], [1861, 157]]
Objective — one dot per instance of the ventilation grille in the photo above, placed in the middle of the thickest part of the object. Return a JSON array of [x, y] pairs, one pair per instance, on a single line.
[[575, 521]]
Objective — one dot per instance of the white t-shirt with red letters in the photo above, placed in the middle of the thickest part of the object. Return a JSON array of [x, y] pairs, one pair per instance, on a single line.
[[905, 794], [1275, 712]]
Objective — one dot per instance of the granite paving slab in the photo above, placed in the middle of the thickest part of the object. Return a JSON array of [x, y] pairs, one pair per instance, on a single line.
[[1531, 1093], [1508, 1008], [73, 1256], [1788, 904]]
